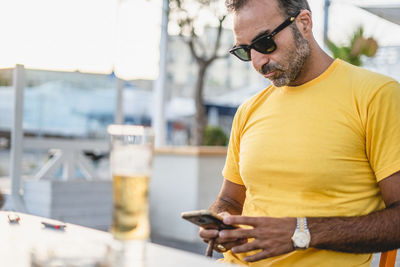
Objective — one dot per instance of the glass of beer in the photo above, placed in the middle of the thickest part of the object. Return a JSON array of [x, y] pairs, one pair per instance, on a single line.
[[131, 164]]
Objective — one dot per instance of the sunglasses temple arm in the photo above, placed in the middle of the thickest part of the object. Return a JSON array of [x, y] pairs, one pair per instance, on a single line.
[[286, 23]]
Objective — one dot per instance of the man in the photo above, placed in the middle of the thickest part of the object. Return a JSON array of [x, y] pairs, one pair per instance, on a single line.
[[312, 171]]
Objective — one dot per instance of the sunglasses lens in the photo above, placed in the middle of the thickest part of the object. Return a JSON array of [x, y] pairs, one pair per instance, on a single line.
[[265, 46], [243, 54]]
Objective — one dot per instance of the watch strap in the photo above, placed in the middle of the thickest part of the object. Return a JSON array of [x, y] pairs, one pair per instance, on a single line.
[[302, 224], [301, 227]]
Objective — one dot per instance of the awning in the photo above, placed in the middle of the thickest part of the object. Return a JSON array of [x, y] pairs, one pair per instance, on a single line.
[[390, 13]]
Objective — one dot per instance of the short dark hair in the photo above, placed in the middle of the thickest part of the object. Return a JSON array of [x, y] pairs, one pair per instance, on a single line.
[[288, 7]]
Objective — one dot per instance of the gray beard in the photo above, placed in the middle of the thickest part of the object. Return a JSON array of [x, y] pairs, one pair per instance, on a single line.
[[295, 60]]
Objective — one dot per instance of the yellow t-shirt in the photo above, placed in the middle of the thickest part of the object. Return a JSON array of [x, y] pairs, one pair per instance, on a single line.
[[316, 150]]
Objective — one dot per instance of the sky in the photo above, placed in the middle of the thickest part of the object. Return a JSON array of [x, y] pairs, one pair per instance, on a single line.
[[101, 35], [84, 35]]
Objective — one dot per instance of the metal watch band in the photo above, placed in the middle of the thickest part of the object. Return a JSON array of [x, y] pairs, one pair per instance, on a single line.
[[302, 224], [301, 236]]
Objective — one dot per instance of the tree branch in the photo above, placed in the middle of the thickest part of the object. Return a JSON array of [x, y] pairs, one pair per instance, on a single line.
[[190, 42], [217, 42], [219, 34], [203, 48]]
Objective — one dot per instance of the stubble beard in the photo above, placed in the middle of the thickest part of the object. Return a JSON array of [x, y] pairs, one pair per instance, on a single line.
[[294, 61]]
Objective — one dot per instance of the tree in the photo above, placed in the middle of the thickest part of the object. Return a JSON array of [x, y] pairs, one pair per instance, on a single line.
[[187, 13], [359, 45]]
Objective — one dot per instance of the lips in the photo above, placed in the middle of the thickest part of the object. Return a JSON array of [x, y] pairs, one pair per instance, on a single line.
[[269, 74]]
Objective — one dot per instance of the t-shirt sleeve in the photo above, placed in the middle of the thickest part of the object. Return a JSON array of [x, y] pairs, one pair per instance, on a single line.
[[383, 131], [231, 171]]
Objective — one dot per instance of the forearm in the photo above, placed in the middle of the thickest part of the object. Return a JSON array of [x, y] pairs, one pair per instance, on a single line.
[[375, 232], [230, 198], [227, 204]]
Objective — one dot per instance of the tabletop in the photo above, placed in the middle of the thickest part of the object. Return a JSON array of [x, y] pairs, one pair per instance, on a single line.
[[27, 240]]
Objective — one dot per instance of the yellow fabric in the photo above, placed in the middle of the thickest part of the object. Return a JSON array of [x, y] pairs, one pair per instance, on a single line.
[[316, 150]]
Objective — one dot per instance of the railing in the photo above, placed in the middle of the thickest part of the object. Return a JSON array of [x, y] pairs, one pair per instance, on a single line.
[[69, 154]]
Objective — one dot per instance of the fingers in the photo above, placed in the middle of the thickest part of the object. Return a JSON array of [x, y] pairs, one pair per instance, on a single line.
[[271, 236], [229, 245], [244, 220], [265, 249], [208, 234], [236, 234], [224, 214], [246, 247], [251, 247], [256, 257], [227, 238], [227, 242]]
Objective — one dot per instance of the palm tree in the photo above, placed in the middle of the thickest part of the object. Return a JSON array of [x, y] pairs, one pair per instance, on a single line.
[[359, 46]]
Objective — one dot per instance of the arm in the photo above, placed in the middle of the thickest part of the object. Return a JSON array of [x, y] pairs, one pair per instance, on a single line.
[[230, 198], [378, 231], [229, 201]]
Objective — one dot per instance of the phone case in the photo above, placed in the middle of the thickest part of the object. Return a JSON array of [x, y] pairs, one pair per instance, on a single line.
[[206, 219]]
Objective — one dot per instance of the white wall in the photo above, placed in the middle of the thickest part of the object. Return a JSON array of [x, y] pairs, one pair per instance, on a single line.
[[182, 182]]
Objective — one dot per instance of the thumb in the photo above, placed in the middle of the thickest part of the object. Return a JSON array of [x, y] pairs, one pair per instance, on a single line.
[[224, 214]]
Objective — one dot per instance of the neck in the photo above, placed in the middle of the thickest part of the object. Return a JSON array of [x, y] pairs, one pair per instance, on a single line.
[[316, 63]]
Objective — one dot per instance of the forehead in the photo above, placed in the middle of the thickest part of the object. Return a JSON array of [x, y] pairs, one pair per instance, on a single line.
[[255, 17]]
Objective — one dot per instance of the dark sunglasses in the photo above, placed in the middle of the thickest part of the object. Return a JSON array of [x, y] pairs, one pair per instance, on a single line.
[[263, 44]]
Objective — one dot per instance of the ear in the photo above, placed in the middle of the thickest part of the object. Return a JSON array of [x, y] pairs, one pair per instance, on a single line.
[[304, 22]]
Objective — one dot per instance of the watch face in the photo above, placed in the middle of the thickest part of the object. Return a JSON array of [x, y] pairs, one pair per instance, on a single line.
[[301, 239]]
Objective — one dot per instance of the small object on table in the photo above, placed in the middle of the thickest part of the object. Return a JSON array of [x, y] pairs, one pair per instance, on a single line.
[[210, 248], [13, 218], [2, 200], [54, 226]]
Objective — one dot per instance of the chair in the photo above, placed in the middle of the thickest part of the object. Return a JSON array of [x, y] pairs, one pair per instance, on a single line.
[[388, 258]]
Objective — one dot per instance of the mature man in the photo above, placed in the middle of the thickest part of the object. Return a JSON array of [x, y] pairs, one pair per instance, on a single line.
[[312, 171]]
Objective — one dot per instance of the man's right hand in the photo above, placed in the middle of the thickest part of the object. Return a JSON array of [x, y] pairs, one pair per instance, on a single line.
[[227, 243]]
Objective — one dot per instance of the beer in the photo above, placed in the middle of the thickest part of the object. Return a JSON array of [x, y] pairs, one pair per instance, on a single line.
[[131, 213], [131, 163]]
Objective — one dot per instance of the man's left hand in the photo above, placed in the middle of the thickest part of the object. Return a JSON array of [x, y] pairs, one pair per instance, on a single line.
[[271, 235]]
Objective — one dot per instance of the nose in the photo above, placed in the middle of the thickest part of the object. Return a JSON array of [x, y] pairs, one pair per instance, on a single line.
[[258, 59]]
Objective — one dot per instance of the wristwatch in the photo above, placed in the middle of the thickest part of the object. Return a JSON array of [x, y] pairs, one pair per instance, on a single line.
[[301, 236]]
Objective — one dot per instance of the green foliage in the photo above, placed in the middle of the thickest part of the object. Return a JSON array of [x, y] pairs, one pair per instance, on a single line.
[[215, 136], [359, 45], [5, 79]]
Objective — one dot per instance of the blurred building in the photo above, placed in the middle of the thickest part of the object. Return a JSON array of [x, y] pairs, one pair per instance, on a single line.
[[83, 80], [228, 83], [83, 104], [224, 75], [386, 61]]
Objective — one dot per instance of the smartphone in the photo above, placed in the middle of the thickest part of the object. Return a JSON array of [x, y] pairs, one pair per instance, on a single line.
[[206, 219]]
